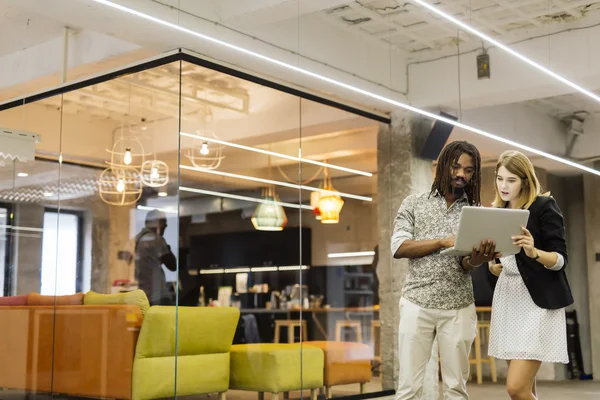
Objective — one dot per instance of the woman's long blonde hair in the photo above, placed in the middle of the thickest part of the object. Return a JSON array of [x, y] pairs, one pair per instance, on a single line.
[[517, 163]]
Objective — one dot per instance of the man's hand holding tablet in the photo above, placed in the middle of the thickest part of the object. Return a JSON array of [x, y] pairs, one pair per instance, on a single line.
[[485, 254]]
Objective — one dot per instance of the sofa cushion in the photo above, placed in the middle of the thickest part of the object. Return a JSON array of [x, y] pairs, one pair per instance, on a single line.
[[135, 298], [276, 367], [13, 300], [345, 362], [36, 299]]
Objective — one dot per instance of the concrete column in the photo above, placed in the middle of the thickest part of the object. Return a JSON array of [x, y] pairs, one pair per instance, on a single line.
[[400, 173], [591, 196], [568, 192], [118, 238]]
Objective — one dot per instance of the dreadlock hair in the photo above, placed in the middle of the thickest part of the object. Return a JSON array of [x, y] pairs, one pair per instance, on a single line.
[[449, 156]]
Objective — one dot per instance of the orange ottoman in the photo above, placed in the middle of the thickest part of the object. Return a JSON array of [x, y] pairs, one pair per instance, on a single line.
[[345, 363]]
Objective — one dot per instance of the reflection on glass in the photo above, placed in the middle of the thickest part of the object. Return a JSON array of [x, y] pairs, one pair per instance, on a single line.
[[64, 263], [3, 250], [252, 237]]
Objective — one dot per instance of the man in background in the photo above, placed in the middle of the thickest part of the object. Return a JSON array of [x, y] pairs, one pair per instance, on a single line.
[[151, 252]]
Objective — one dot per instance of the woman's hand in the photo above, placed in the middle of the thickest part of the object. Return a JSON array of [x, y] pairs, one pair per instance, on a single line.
[[496, 269], [526, 242]]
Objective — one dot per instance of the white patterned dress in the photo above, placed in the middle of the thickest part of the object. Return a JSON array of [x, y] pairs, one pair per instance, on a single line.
[[520, 330]]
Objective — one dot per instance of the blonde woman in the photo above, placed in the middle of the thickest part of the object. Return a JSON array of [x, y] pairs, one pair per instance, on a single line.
[[528, 316]]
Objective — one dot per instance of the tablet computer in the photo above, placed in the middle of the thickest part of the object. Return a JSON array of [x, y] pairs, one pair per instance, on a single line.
[[477, 224]]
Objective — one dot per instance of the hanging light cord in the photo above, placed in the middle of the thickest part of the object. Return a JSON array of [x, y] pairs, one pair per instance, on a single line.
[[306, 182]]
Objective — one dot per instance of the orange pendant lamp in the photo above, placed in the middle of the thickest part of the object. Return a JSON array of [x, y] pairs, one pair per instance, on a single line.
[[314, 203], [330, 203]]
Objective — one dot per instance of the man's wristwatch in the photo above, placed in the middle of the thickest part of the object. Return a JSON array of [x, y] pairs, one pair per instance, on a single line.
[[537, 255]]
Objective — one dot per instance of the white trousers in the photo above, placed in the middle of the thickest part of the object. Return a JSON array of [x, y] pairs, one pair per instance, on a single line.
[[455, 332]]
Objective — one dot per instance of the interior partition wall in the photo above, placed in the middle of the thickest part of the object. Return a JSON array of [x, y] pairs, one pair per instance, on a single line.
[[187, 228]]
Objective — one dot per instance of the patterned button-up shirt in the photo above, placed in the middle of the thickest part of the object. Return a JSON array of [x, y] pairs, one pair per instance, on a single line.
[[433, 281]]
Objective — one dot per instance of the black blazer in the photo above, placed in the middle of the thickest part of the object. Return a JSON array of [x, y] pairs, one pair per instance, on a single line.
[[548, 289]]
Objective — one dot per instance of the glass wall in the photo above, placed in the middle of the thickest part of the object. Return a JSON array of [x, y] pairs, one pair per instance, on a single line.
[[183, 231]]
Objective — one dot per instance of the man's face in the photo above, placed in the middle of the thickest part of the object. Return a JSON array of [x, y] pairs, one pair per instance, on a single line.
[[461, 173], [162, 226]]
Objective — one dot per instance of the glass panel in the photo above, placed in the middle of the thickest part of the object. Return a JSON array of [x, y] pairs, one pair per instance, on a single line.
[[4, 250], [27, 188], [240, 233], [117, 237], [342, 285]]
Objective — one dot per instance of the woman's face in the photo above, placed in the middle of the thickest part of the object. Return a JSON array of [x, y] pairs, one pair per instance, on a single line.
[[508, 184]]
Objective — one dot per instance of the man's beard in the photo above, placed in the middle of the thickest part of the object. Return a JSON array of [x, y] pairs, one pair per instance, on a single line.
[[457, 191]]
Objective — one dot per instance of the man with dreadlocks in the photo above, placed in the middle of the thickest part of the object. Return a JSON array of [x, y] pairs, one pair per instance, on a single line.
[[437, 297]]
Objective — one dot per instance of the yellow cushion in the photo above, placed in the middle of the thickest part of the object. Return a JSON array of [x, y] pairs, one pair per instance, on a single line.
[[202, 330], [154, 378], [136, 298], [204, 339], [275, 368]]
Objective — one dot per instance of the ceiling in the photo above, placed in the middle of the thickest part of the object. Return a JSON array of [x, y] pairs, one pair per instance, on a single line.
[[21, 29], [412, 29], [568, 105]]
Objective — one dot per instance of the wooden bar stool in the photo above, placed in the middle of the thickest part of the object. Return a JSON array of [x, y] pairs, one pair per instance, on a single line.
[[352, 324], [291, 324], [376, 339], [483, 330]]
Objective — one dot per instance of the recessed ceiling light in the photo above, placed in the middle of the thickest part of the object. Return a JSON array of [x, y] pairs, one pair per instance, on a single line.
[[22, 174], [48, 194], [366, 92], [162, 194]]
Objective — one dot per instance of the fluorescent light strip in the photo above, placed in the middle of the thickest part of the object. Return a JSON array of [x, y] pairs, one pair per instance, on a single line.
[[244, 198], [237, 270], [272, 153], [212, 271], [349, 87], [263, 269], [165, 210], [257, 269], [293, 268], [352, 254], [272, 182], [508, 49]]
